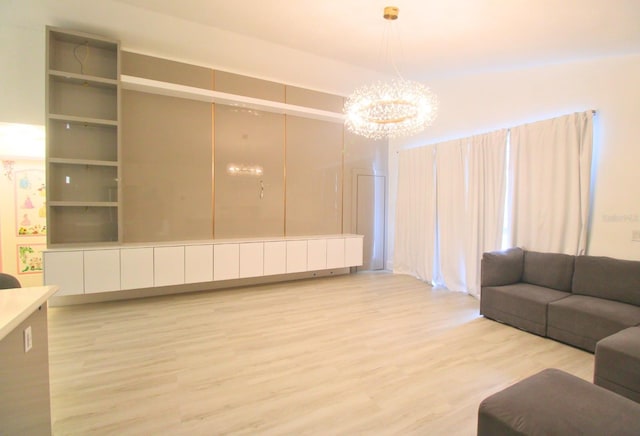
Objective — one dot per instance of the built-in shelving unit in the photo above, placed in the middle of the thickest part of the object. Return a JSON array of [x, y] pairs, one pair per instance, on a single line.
[[83, 138]]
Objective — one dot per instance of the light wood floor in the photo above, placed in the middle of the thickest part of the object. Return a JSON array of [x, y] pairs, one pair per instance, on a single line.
[[369, 353]]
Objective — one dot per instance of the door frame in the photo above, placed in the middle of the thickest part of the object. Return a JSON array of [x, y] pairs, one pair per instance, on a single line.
[[355, 173]]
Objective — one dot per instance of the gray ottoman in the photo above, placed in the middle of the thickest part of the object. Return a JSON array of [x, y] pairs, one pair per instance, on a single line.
[[554, 402], [617, 363]]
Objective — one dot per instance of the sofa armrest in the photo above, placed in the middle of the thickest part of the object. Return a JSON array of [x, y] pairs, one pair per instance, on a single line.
[[500, 268]]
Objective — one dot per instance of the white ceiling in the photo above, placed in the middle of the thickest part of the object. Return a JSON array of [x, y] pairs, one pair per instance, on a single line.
[[432, 37]]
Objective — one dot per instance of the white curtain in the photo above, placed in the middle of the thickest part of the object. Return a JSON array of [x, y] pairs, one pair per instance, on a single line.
[[550, 166], [450, 211], [471, 186], [415, 229], [486, 184], [453, 198]]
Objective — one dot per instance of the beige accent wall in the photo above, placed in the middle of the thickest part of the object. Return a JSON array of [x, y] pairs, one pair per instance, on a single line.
[[314, 177], [248, 86], [177, 153], [166, 168], [248, 203], [314, 99], [166, 155], [138, 65]]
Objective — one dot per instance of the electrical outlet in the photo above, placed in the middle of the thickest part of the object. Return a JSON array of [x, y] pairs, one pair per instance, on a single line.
[[28, 339], [635, 235]]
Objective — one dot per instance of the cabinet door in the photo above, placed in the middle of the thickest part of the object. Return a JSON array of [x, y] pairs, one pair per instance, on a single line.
[[168, 266], [226, 261], [296, 256], [275, 258], [101, 271], [353, 251], [198, 263], [316, 254], [64, 269], [136, 268], [251, 259], [335, 253]]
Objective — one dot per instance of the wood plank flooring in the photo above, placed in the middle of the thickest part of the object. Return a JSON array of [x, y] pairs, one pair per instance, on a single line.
[[368, 353]]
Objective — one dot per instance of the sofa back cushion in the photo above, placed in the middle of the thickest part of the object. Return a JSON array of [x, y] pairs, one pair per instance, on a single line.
[[605, 277], [501, 267], [551, 270]]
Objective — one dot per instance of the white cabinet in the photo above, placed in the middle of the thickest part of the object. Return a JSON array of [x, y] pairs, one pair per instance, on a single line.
[[101, 270], [65, 269], [198, 263], [275, 258], [353, 251], [296, 256], [316, 254], [226, 261], [78, 271], [335, 253], [251, 259], [136, 268], [168, 266]]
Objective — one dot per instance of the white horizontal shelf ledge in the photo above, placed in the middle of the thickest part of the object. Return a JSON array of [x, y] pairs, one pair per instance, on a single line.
[[192, 93], [84, 203], [83, 120], [84, 78], [100, 163]]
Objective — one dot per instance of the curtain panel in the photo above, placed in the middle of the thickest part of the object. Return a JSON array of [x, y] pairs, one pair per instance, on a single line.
[[550, 171], [454, 197], [486, 187], [415, 229]]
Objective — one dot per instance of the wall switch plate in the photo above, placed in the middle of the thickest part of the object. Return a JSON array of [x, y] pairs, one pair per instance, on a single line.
[[28, 339], [635, 235]]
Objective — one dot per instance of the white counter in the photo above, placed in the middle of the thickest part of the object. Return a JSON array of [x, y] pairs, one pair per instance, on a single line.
[[18, 304]]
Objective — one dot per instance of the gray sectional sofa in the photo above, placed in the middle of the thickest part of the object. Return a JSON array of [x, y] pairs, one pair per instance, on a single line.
[[586, 301], [577, 300], [553, 402]]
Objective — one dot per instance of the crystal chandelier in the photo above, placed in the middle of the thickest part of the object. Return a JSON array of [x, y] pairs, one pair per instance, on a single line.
[[393, 109]]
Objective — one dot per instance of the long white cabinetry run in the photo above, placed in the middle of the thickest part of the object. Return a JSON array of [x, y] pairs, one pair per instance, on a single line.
[[87, 270]]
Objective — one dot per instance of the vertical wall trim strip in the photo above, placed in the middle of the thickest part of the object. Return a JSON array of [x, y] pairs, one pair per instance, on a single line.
[[342, 153], [213, 158], [284, 168]]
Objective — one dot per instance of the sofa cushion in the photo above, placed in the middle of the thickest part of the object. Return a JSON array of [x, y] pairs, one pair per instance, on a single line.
[[521, 305], [553, 402], [582, 321], [617, 363], [502, 267], [552, 270], [605, 277]]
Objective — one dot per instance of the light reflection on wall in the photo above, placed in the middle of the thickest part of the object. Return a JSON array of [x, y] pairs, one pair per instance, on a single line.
[[21, 141], [244, 170]]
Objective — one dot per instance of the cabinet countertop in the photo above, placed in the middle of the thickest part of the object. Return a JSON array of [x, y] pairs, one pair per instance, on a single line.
[[17, 304], [114, 245]]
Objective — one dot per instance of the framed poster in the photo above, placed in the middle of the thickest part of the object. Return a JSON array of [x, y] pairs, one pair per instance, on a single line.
[[30, 258], [31, 211]]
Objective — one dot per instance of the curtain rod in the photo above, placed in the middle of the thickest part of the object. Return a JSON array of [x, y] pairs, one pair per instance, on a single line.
[[593, 112]]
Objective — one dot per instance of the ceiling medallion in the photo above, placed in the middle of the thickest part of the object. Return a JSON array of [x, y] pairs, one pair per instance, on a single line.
[[386, 110]]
